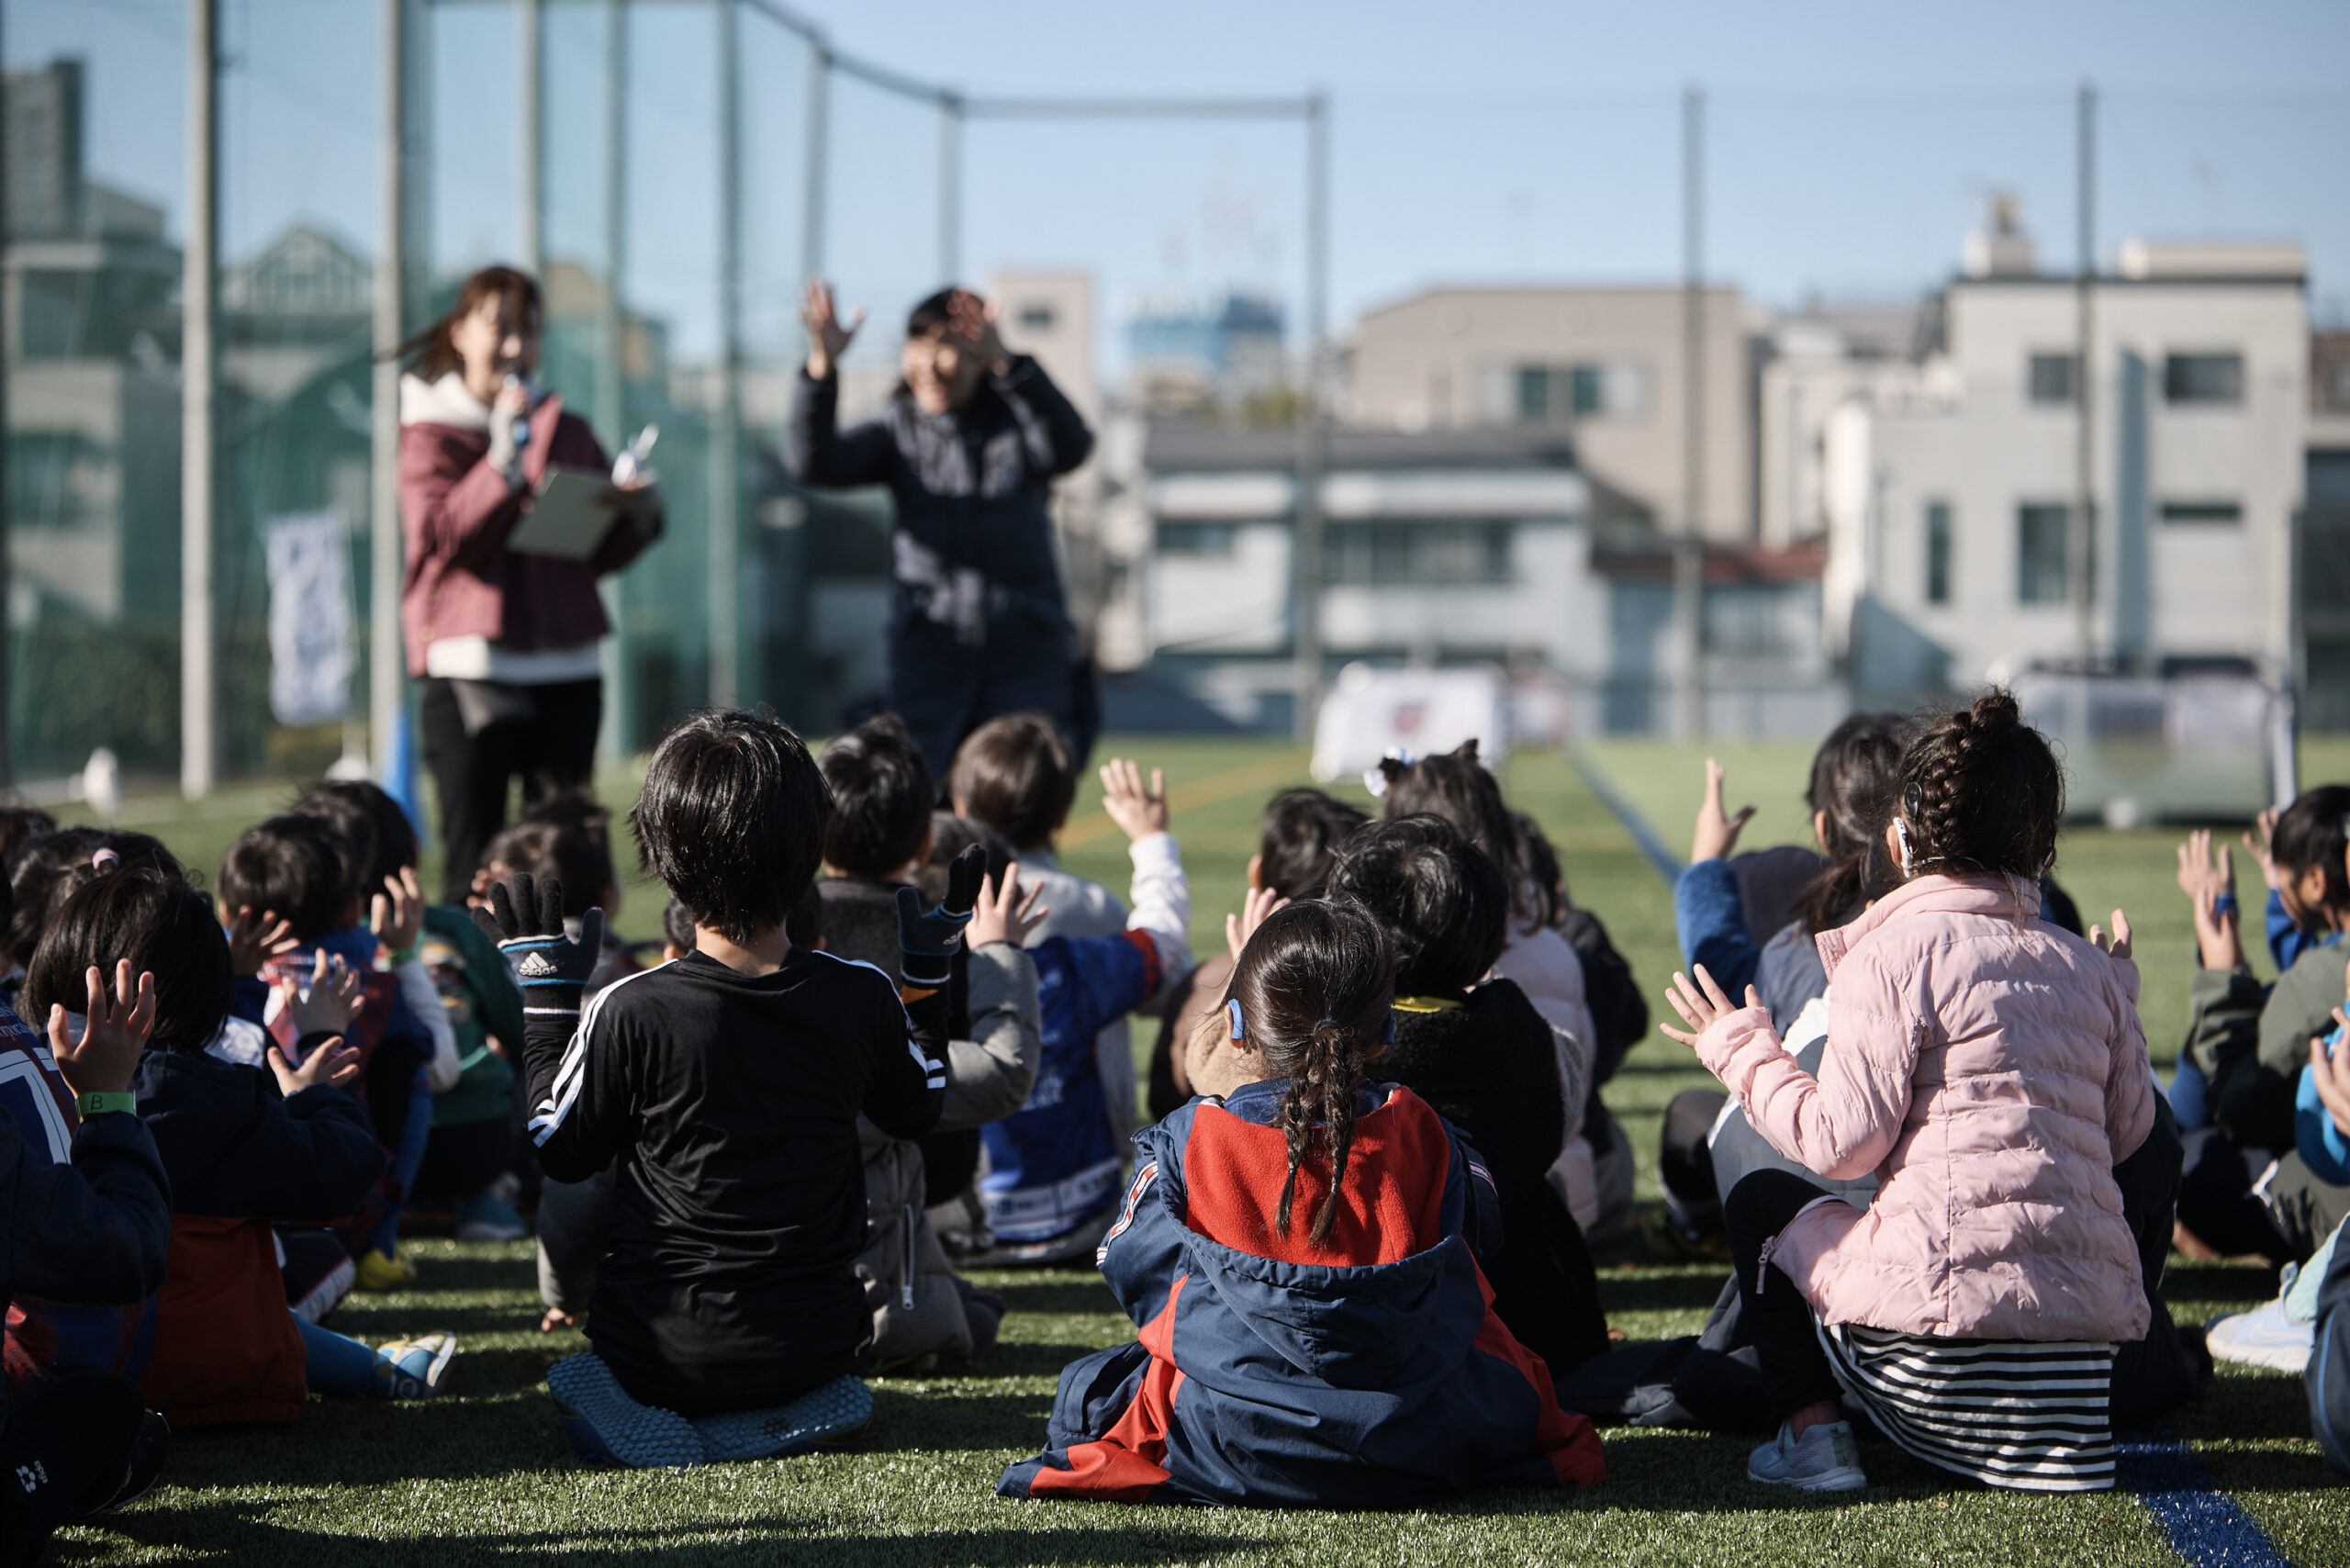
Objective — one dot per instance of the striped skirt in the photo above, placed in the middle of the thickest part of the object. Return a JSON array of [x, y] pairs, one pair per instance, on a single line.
[[2032, 1417]]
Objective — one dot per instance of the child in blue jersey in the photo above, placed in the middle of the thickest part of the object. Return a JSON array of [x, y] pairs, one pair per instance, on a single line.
[[1050, 1185]]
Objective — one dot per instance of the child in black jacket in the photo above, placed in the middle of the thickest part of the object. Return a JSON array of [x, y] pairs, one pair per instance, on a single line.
[[727, 1084], [94, 1231], [1485, 1059]]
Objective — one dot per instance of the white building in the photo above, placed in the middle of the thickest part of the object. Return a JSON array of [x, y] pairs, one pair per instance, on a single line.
[[1946, 486]]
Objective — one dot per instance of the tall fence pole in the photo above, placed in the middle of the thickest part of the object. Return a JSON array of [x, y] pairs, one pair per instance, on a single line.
[[386, 677], [619, 731], [530, 50], [725, 584], [1689, 550], [950, 188], [1313, 432], [200, 372], [2080, 538]]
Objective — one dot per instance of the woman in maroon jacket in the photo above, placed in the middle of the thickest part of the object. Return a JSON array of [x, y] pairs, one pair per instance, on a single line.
[[505, 641]]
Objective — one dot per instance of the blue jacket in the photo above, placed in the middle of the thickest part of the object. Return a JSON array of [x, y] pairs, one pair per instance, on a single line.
[[2320, 1144], [2287, 941], [1055, 1163], [1367, 1373]]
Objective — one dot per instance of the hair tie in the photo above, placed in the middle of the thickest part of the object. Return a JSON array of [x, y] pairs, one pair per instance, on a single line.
[[104, 859], [1232, 1015], [1329, 1024]]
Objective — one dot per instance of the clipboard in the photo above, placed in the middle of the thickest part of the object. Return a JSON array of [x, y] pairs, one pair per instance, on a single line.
[[570, 514]]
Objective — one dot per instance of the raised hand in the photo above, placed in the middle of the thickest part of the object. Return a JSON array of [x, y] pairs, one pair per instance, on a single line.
[[2204, 865], [2119, 945], [333, 1001], [1001, 914], [113, 1039], [397, 914], [1139, 812], [970, 320], [828, 338], [1715, 835], [927, 942], [526, 922], [1700, 1005], [333, 1062], [1237, 928], [2264, 850], [254, 939]]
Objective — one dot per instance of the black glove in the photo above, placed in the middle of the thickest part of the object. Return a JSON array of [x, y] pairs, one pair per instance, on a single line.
[[926, 942], [527, 925]]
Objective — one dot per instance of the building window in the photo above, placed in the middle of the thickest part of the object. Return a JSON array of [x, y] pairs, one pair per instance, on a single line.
[[1196, 539], [1429, 555], [2049, 379], [1555, 393], [1037, 316], [2210, 380], [2215, 514], [1936, 552], [2040, 552]]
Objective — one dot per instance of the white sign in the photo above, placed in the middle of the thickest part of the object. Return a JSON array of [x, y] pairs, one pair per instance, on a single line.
[[1371, 712], [311, 654]]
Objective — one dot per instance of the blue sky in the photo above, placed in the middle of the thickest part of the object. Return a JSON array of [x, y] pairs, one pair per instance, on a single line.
[[1849, 146]]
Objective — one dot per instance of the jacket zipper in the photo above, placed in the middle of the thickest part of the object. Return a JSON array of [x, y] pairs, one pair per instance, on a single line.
[[906, 1279]]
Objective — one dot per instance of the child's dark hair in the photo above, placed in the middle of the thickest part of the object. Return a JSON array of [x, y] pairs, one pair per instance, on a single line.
[[159, 922], [21, 828], [882, 796], [1537, 867], [2310, 834], [1314, 986], [577, 809], [1298, 840], [678, 925], [357, 826], [1455, 786], [390, 835], [54, 867], [1981, 793], [298, 866], [1445, 906], [732, 819], [1015, 775], [1856, 782], [949, 837], [544, 849]]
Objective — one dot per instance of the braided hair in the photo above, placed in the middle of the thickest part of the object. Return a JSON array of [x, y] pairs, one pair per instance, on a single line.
[[1981, 793], [1314, 986]]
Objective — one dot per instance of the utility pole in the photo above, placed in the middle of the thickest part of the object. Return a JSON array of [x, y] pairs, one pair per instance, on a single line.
[[1313, 432], [200, 372], [2080, 536], [387, 678], [1688, 555]]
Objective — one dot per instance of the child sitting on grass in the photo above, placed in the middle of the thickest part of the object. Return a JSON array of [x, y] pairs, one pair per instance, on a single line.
[[727, 1086], [1053, 1168], [84, 1219], [1014, 775], [1991, 1070], [304, 869], [240, 1152], [1476, 1050], [1300, 1253]]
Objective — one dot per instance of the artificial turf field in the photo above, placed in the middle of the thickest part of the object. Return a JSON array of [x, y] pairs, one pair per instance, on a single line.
[[482, 1474]]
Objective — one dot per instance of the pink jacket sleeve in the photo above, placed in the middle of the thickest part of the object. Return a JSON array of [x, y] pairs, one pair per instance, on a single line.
[[1843, 1123], [2130, 1085]]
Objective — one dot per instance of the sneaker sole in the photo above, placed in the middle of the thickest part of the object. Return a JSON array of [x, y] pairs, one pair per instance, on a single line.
[[1835, 1481], [826, 1418], [606, 1427]]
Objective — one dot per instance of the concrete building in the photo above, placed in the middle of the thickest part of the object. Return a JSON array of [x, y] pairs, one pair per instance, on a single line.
[[1946, 485], [1606, 366], [1196, 352]]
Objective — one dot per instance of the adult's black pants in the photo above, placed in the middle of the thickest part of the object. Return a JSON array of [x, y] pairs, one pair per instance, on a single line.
[[547, 735]]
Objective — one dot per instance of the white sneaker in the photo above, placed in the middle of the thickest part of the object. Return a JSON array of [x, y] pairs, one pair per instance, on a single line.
[[1825, 1459], [2262, 1337]]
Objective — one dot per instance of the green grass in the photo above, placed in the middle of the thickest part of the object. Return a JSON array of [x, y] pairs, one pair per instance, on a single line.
[[483, 1475]]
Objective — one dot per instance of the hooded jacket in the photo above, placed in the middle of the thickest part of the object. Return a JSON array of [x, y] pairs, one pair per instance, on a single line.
[[1992, 1070], [456, 512], [1368, 1372], [240, 1155]]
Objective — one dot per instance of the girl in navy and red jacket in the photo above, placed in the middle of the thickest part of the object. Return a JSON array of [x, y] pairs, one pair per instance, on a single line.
[[1299, 1251]]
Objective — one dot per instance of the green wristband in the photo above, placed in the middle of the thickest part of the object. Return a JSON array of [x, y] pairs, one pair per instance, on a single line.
[[402, 956], [98, 1102]]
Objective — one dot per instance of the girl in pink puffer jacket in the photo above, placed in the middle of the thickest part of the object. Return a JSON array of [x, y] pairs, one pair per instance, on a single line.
[[1991, 1070]]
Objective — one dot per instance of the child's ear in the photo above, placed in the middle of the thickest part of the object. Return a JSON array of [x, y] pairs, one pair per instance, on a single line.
[[1256, 872], [608, 900], [669, 954]]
